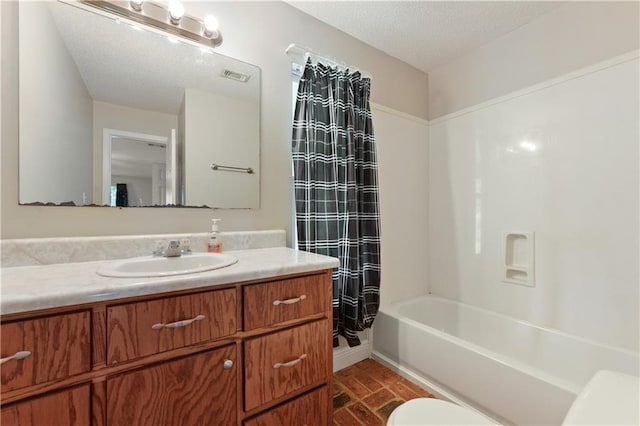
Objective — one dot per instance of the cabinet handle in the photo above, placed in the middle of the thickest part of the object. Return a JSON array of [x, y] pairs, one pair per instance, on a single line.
[[289, 301], [177, 324], [228, 364], [17, 355], [290, 363]]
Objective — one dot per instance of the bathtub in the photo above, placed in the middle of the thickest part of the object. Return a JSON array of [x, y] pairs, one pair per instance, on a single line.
[[511, 370]]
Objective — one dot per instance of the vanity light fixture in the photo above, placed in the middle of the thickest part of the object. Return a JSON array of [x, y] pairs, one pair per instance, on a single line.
[[176, 11], [210, 26], [171, 19], [136, 5]]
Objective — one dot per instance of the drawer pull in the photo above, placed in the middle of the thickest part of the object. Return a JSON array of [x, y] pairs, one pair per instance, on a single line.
[[290, 363], [177, 324], [289, 301], [17, 355], [228, 364]]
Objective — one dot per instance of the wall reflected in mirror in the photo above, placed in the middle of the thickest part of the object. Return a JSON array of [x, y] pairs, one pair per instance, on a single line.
[[116, 114]]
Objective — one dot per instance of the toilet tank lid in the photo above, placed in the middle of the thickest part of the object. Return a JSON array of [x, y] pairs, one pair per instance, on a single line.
[[609, 398]]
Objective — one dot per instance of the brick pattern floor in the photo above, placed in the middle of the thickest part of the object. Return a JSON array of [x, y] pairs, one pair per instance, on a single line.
[[366, 393]]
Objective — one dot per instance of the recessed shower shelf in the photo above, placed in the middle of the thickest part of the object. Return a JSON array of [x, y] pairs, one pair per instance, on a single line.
[[519, 258]]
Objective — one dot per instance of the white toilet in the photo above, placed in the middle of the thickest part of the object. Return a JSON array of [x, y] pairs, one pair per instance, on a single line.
[[429, 411], [610, 398]]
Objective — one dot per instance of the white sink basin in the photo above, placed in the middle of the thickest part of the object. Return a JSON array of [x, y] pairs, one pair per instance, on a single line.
[[151, 266]]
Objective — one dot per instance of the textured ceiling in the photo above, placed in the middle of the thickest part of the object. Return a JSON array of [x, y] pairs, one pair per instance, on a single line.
[[425, 34]]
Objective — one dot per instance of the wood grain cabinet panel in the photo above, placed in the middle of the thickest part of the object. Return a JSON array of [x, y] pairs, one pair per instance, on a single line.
[[309, 410], [194, 390], [275, 302], [69, 408], [281, 363], [130, 327], [59, 346]]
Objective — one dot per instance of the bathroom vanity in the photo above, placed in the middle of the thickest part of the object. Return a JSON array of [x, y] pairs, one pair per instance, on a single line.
[[250, 344]]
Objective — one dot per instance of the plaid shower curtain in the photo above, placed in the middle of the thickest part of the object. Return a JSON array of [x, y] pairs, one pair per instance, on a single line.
[[336, 190]]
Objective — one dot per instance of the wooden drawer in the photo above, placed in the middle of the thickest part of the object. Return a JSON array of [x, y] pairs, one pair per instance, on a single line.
[[275, 302], [69, 408], [195, 390], [311, 409], [60, 347], [281, 363], [136, 329]]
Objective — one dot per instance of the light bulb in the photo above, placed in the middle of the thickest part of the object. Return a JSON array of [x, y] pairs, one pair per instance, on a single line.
[[136, 5], [176, 11], [210, 26]]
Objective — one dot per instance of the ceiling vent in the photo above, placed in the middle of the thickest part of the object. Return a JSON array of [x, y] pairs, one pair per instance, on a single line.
[[232, 75]]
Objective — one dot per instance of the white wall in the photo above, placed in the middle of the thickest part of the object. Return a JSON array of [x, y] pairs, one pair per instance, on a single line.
[[574, 183], [570, 37], [255, 32], [118, 117], [54, 95], [217, 131], [402, 152]]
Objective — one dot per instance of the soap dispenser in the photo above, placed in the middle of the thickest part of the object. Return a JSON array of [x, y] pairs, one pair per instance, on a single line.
[[215, 243]]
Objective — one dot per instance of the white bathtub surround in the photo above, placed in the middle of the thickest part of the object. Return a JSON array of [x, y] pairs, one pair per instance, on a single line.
[[345, 356], [559, 159], [30, 288], [506, 368], [402, 159], [45, 251]]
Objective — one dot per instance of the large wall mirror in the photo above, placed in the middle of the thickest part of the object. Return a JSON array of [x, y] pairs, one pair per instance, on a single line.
[[115, 114]]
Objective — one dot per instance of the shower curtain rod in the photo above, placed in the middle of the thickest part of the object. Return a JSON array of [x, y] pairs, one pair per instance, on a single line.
[[298, 51]]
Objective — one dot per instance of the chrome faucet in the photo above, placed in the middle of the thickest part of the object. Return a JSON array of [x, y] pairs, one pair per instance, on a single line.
[[173, 249]]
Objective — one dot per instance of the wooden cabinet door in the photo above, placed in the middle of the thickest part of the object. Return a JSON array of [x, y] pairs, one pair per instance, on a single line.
[[69, 408], [195, 390]]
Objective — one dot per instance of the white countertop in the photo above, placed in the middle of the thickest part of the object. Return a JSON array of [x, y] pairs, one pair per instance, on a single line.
[[29, 288]]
